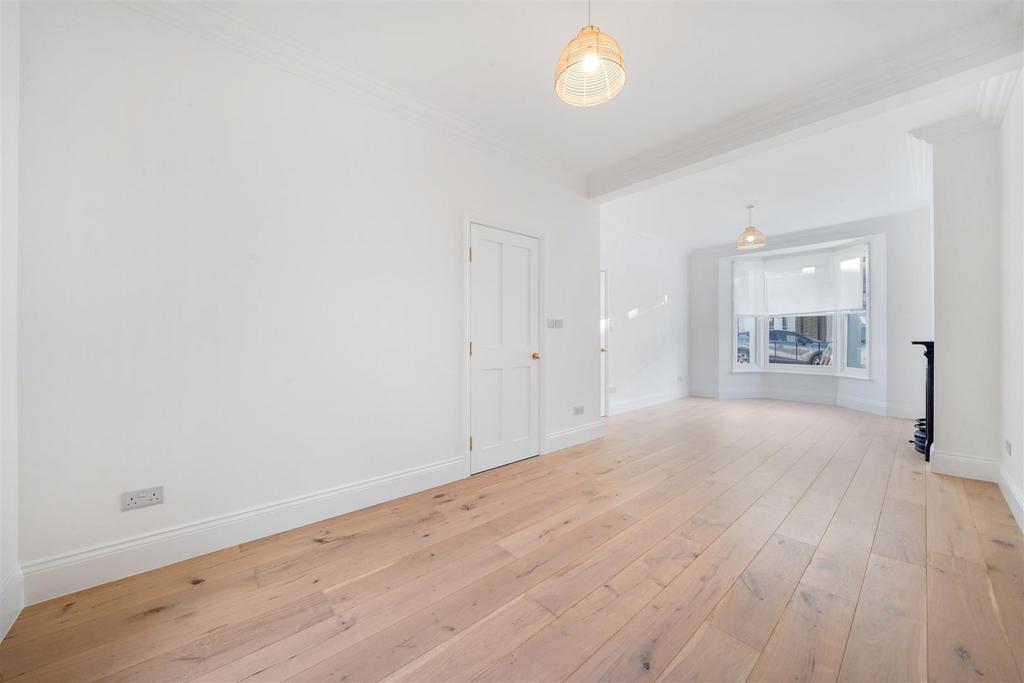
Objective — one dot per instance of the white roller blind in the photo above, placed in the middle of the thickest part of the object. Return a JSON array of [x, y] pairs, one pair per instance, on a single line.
[[798, 284], [748, 287], [801, 283], [851, 267]]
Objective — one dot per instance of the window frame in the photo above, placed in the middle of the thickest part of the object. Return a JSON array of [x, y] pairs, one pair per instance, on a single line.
[[840, 321], [752, 366]]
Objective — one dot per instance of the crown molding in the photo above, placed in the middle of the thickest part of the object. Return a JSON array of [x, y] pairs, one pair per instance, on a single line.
[[965, 124], [993, 98], [832, 102], [227, 30], [997, 43]]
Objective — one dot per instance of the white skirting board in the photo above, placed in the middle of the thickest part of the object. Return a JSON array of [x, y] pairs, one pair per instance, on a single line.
[[12, 599], [864, 405], [1014, 498], [63, 574], [55, 576], [616, 407], [556, 441], [854, 403], [907, 411], [966, 466]]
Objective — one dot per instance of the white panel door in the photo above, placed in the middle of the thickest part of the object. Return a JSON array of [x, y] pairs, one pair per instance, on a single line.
[[505, 356]]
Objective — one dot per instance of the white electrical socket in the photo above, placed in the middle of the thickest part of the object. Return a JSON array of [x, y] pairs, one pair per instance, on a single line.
[[577, 410], [142, 498]]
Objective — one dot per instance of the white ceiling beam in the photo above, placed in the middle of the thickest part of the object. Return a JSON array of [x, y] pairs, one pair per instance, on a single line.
[[924, 71]]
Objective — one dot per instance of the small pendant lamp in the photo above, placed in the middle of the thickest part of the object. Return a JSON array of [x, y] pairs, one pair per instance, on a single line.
[[591, 69], [751, 238]]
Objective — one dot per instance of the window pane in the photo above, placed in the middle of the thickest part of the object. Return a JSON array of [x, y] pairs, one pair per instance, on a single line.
[[856, 340], [800, 340], [746, 340], [852, 277]]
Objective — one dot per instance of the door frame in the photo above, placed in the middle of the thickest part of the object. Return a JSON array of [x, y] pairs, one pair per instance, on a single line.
[[603, 273], [467, 422]]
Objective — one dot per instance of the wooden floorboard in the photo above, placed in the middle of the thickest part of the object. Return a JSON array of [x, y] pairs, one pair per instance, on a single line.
[[700, 540]]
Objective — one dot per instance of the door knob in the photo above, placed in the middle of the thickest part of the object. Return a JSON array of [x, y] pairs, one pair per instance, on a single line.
[[536, 355], [604, 350]]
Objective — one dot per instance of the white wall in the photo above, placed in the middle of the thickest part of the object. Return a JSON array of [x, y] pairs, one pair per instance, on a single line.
[[248, 288], [1011, 145], [647, 312], [11, 594], [967, 296], [900, 312]]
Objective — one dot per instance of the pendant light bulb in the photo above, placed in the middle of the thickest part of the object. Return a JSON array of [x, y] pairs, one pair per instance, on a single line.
[[591, 69], [751, 238]]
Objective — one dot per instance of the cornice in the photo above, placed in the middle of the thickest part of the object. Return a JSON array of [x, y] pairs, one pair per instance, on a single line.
[[965, 124], [227, 30], [993, 98], [874, 81]]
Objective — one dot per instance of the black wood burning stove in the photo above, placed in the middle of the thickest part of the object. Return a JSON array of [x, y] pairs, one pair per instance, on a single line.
[[924, 435]]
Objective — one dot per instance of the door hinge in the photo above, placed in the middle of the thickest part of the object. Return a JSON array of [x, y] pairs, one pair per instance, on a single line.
[[471, 348], [470, 443], [471, 254]]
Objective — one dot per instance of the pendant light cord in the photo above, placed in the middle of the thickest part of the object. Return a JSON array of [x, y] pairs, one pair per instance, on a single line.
[[588, 13]]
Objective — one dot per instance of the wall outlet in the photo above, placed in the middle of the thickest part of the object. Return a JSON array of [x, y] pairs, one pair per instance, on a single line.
[[556, 323], [1009, 448], [142, 498], [612, 390], [577, 410]]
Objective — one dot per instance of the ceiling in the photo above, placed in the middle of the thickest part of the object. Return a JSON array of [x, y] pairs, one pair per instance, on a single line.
[[870, 168], [693, 67]]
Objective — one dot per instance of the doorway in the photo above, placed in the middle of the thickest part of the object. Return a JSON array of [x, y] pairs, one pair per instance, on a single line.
[[604, 343], [504, 334]]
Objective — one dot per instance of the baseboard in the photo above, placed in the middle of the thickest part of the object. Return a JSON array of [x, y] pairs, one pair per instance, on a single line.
[[777, 395], [826, 399], [617, 407], [63, 574], [863, 405], [739, 394], [1014, 498], [905, 410], [12, 600], [966, 466], [566, 438]]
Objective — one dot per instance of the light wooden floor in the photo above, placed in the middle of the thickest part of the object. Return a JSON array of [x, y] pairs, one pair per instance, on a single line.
[[700, 540]]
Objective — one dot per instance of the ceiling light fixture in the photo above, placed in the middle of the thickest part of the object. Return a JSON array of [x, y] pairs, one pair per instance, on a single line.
[[591, 69], [751, 238]]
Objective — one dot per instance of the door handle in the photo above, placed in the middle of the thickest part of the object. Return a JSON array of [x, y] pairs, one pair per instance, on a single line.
[[604, 350], [536, 355]]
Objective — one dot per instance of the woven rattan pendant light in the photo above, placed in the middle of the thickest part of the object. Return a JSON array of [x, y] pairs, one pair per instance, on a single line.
[[751, 238], [591, 69]]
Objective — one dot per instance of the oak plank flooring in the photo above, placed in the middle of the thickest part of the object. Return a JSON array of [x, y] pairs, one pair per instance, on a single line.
[[811, 637], [967, 635], [700, 540], [1002, 545], [888, 640]]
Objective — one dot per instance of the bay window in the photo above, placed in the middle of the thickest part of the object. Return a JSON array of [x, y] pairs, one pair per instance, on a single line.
[[803, 312]]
